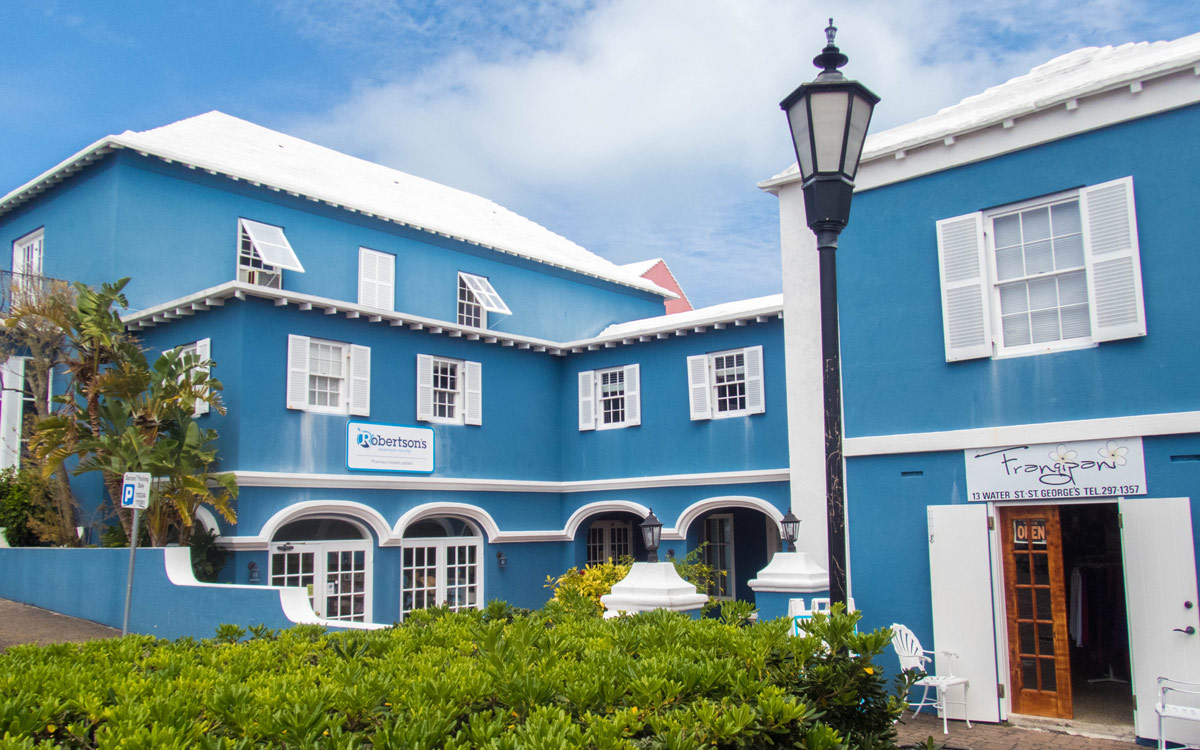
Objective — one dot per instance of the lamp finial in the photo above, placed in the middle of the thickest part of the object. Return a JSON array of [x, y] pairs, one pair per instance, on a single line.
[[831, 58], [830, 31]]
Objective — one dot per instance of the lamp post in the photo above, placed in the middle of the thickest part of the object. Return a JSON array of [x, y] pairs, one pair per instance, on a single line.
[[828, 118], [651, 529]]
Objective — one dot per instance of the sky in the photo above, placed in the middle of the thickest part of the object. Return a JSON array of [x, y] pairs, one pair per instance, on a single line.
[[636, 128]]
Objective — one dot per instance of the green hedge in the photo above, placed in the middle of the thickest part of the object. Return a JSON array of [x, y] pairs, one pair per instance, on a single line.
[[559, 677]]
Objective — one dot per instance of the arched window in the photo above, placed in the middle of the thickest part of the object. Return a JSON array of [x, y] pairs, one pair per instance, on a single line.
[[441, 564]]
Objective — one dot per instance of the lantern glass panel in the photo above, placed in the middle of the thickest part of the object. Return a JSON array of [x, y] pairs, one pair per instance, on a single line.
[[829, 127], [860, 117], [801, 136]]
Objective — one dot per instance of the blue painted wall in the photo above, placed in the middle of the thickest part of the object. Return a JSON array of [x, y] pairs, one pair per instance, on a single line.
[[175, 230], [896, 379]]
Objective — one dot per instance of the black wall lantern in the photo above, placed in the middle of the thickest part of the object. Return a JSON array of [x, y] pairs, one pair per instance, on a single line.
[[828, 118], [791, 529], [651, 535]]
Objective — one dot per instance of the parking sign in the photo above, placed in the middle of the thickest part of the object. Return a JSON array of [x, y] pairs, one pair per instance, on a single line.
[[135, 490]]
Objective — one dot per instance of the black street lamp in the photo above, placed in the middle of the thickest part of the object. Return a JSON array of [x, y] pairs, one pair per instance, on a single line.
[[651, 535], [829, 118]]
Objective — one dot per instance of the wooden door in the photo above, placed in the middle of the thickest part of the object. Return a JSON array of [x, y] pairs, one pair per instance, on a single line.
[[1036, 603]]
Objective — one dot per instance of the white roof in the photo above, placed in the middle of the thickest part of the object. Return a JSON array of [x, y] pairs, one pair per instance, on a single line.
[[640, 267], [1077, 74], [746, 308], [223, 144]]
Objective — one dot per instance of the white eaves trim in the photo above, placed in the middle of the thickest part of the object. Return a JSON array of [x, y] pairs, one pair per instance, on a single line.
[[1083, 90], [220, 144], [717, 317]]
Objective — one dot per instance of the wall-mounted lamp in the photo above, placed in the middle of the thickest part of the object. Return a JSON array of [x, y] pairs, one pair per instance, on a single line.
[[253, 568], [285, 548], [501, 559]]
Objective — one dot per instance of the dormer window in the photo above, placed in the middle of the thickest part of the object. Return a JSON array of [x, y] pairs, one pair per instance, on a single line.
[[476, 298], [263, 254]]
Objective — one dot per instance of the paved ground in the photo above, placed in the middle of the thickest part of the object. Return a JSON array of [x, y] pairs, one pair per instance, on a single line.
[[20, 623], [999, 737]]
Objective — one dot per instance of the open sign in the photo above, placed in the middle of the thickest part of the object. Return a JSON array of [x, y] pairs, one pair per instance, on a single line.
[[1029, 531]]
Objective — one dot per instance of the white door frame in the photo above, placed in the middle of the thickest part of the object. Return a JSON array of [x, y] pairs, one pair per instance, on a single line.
[[439, 589], [320, 574]]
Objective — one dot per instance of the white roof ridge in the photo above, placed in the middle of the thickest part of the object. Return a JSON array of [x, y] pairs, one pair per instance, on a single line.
[[722, 312], [1075, 74], [223, 144]]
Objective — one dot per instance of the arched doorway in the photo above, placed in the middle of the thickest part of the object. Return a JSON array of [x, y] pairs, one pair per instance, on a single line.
[[331, 558], [441, 564]]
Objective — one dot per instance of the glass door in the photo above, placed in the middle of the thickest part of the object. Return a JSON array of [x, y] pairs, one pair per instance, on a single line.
[[335, 574], [436, 572], [1035, 599]]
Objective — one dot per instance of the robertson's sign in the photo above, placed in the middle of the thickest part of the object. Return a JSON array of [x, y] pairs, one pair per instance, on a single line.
[[1049, 471], [389, 447]]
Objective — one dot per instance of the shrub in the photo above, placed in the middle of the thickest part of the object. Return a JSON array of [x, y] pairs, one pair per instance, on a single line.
[[501, 679], [207, 557], [26, 508], [595, 581]]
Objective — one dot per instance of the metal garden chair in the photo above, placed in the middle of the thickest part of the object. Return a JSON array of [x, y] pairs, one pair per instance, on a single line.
[[1176, 710], [912, 656]]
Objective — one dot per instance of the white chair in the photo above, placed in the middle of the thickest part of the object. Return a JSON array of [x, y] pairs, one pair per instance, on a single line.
[[1179, 711], [912, 656]]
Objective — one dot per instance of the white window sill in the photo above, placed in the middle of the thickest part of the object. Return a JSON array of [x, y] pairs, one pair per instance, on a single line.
[[1035, 350]]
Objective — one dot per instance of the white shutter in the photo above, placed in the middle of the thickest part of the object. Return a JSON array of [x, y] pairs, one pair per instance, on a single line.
[[699, 395], [12, 377], [962, 263], [756, 396], [297, 372], [203, 354], [473, 393], [376, 279], [360, 381], [633, 395], [424, 388], [1114, 264], [587, 400]]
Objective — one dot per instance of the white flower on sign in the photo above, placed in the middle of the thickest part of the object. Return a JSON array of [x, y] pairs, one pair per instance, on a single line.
[[1062, 454], [1114, 453]]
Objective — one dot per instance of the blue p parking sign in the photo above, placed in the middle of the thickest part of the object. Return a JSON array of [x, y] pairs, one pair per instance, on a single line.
[[135, 490]]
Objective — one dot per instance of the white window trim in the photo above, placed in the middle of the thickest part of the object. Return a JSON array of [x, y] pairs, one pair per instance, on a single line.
[[970, 291], [320, 548], [442, 543], [355, 397], [702, 386], [36, 238], [203, 352], [591, 414], [469, 401], [376, 279]]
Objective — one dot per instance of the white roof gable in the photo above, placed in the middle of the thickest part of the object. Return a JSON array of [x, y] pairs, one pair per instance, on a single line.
[[1084, 72], [227, 145]]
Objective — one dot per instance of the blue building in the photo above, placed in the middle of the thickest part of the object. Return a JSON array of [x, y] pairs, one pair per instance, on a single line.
[[431, 400], [1022, 415]]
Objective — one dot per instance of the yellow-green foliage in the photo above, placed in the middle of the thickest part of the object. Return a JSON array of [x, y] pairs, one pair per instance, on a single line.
[[591, 582], [498, 679]]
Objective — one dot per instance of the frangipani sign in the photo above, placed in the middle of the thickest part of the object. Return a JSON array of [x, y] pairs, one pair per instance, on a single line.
[[1051, 471]]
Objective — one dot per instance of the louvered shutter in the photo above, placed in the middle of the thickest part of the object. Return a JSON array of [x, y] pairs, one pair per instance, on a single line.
[[360, 381], [473, 393], [203, 354], [699, 393], [587, 400], [368, 270], [962, 263], [1114, 276], [376, 279], [12, 377], [756, 397], [633, 395], [297, 372], [424, 388]]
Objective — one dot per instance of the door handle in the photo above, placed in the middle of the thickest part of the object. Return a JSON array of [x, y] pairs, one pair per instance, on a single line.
[[1189, 630]]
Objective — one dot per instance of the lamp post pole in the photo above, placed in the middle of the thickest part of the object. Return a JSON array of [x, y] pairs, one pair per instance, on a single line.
[[828, 118]]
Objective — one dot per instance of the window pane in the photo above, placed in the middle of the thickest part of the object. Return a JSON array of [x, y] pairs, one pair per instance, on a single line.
[[1068, 251], [1013, 299], [1043, 294], [1065, 219], [1076, 323], [1010, 263], [1044, 326], [1035, 225], [1039, 257], [1008, 231], [1016, 330]]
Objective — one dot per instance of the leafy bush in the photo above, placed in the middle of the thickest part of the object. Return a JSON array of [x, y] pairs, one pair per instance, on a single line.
[[207, 557], [26, 508], [595, 581], [500, 679]]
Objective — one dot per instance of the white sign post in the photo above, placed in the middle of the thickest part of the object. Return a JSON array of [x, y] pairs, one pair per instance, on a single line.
[[135, 494], [1056, 471]]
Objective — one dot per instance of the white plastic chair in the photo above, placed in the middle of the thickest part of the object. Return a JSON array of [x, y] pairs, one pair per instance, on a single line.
[[1179, 711], [912, 656]]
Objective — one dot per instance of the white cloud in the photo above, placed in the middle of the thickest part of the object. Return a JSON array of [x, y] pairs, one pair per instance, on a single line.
[[641, 130]]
